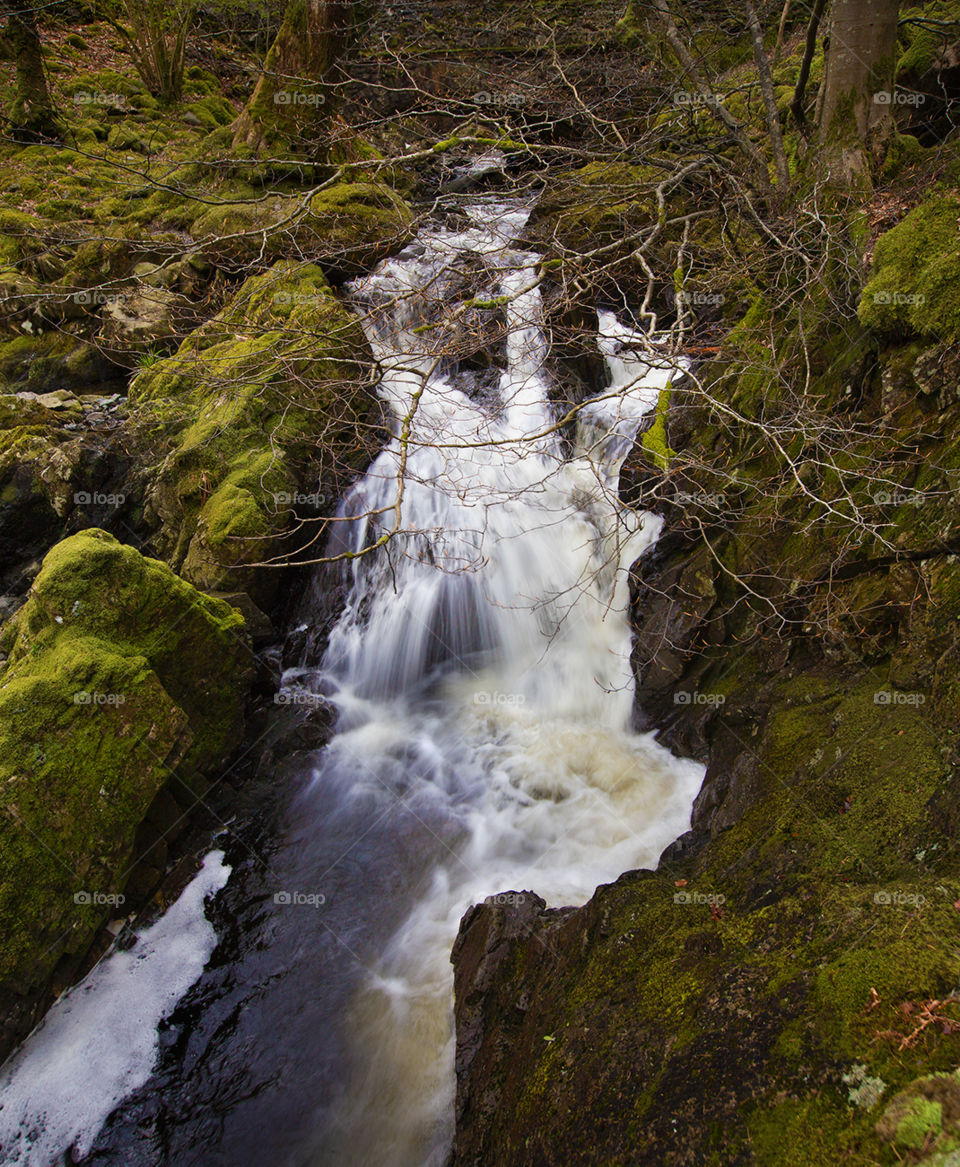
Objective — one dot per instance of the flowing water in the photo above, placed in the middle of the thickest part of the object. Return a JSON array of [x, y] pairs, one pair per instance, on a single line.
[[480, 671]]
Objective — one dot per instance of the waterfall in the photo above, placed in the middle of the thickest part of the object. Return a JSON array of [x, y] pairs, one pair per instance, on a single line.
[[481, 667], [481, 677]]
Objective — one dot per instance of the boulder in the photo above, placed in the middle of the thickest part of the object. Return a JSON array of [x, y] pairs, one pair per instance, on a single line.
[[121, 681], [259, 416], [139, 320]]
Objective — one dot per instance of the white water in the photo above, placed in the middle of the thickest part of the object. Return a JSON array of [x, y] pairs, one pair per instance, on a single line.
[[482, 663], [98, 1042]]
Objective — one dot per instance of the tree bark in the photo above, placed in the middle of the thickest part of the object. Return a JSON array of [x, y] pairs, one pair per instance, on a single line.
[[856, 117], [769, 97], [294, 95], [31, 114]]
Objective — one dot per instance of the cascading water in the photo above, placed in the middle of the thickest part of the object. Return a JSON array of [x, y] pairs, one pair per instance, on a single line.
[[482, 663], [481, 674]]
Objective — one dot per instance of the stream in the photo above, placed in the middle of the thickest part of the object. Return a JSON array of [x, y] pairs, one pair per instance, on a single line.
[[480, 673]]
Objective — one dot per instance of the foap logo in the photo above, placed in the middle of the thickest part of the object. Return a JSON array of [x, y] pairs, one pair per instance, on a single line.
[[899, 899], [713, 899], [897, 498], [488, 697], [294, 97], [685, 697], [511, 899], [885, 97], [96, 97], [696, 100], [698, 498], [700, 299], [310, 899], [299, 498], [908, 299], [86, 498], [298, 697], [93, 297], [896, 697], [98, 899], [84, 697], [513, 100]]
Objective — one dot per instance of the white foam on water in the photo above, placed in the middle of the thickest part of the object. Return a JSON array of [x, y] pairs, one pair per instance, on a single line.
[[98, 1043], [482, 663]]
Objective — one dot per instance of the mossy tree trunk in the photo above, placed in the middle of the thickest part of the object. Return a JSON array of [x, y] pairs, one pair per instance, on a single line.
[[295, 95], [856, 118], [31, 113]]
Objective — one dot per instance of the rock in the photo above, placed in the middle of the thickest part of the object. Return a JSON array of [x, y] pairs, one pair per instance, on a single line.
[[258, 624], [347, 228], [121, 680], [924, 1119], [125, 137], [916, 270], [241, 402], [51, 361], [153, 274], [58, 399], [191, 119], [138, 321]]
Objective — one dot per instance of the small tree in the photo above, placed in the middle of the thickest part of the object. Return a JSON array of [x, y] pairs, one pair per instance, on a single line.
[[156, 35]]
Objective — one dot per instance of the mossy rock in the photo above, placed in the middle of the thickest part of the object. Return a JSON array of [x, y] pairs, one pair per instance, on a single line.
[[915, 286], [346, 228], [924, 1119], [53, 360], [120, 678], [125, 137], [212, 111], [712, 1010], [265, 400]]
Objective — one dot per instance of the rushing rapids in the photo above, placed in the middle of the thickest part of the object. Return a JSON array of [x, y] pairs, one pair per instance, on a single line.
[[480, 672]]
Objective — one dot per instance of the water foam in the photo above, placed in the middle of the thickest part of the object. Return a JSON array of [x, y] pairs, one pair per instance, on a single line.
[[99, 1041]]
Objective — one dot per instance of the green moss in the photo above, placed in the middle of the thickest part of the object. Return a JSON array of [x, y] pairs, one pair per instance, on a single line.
[[250, 418], [347, 227], [119, 674], [213, 111], [654, 440], [914, 287]]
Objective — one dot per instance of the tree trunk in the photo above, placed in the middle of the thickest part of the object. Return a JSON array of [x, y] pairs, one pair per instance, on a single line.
[[769, 96], [856, 117], [31, 114], [294, 96]]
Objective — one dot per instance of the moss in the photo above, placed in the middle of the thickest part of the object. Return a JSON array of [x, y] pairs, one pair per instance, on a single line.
[[346, 227], [213, 111], [916, 277], [925, 32], [249, 418], [119, 674], [654, 440], [53, 360]]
